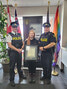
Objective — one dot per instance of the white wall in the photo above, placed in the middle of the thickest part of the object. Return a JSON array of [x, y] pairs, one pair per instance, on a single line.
[[64, 35], [36, 11], [64, 42]]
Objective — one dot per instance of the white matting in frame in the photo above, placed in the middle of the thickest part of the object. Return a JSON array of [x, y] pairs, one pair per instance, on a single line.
[[31, 52]]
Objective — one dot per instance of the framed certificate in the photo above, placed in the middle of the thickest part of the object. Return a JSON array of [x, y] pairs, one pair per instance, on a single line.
[[31, 52]]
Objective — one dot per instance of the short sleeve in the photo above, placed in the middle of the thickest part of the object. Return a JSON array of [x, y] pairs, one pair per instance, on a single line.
[[8, 38], [52, 38]]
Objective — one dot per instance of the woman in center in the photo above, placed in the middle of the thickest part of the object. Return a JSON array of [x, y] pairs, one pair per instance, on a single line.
[[31, 63]]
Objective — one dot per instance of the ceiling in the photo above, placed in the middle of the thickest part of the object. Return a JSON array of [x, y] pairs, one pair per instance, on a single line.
[[31, 2]]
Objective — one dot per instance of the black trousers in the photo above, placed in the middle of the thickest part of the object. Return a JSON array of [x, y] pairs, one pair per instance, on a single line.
[[46, 60], [32, 67], [15, 58]]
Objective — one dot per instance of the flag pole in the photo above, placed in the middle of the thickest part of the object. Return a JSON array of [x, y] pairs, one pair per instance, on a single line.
[[15, 6], [7, 11], [15, 67], [54, 72], [48, 12]]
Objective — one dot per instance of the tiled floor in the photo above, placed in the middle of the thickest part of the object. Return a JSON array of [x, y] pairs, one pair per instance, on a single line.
[[57, 81]]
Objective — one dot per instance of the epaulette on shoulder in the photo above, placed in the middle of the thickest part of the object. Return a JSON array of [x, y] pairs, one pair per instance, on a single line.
[[51, 33]]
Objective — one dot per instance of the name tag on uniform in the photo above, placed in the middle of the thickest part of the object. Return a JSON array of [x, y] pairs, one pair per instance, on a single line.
[[44, 39], [16, 38]]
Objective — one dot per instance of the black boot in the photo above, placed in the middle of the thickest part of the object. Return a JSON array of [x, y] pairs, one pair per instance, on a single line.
[[32, 80], [42, 78], [12, 83], [22, 77]]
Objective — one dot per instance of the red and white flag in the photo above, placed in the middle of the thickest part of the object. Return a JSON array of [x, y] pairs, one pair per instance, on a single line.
[[8, 21]]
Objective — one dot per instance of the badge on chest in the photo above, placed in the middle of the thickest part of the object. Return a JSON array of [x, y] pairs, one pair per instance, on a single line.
[[43, 39], [16, 38]]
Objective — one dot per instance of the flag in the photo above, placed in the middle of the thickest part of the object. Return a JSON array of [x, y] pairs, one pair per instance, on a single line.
[[16, 19], [8, 21], [56, 31]]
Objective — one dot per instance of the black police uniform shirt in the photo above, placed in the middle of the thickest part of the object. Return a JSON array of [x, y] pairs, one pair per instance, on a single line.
[[45, 39], [15, 39], [32, 42]]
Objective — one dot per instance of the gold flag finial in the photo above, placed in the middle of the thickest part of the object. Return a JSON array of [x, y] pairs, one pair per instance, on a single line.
[[15, 4], [7, 2], [58, 2], [48, 2]]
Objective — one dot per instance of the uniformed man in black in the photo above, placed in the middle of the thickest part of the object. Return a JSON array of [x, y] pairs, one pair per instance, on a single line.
[[47, 43], [15, 45]]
